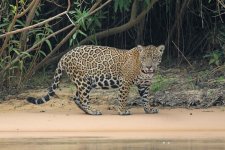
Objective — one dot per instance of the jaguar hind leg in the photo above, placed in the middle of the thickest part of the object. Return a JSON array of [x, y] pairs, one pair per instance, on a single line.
[[84, 103], [76, 99]]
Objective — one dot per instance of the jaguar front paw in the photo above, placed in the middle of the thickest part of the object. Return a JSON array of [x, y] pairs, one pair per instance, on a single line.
[[151, 110], [125, 112]]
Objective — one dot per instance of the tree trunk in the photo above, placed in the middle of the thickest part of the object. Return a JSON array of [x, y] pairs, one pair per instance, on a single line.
[[30, 17]]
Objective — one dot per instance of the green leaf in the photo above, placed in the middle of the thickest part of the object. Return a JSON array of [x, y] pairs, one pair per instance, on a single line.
[[26, 54], [49, 30], [97, 23], [122, 5], [15, 41], [72, 12], [82, 33], [21, 65], [16, 51], [75, 35], [211, 61], [71, 42], [217, 62], [42, 53], [215, 56], [13, 9], [37, 13], [49, 44], [147, 1], [22, 2], [20, 23], [116, 5], [2, 25]]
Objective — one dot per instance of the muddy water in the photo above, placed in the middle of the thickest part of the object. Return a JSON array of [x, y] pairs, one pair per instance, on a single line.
[[108, 144]]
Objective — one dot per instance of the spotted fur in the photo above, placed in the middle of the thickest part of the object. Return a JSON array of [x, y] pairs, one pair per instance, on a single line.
[[91, 66]]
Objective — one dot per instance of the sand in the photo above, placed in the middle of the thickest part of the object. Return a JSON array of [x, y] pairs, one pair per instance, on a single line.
[[60, 117], [169, 124]]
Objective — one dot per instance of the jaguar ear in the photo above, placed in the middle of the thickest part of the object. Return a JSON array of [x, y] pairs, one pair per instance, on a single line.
[[161, 48], [140, 48]]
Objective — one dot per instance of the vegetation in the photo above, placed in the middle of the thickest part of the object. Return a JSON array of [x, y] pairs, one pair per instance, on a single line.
[[161, 83], [35, 33]]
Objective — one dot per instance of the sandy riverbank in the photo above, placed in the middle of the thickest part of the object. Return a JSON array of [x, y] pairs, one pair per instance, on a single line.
[[60, 117], [169, 124]]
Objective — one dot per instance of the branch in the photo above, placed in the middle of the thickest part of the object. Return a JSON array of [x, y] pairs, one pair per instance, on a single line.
[[34, 46], [182, 54], [109, 32], [55, 3], [48, 37], [38, 24], [26, 10], [91, 12], [5, 43], [56, 48], [21, 55], [133, 21], [133, 13], [13, 23], [95, 5], [221, 3]]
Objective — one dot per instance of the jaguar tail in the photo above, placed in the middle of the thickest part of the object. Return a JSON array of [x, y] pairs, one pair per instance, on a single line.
[[51, 89]]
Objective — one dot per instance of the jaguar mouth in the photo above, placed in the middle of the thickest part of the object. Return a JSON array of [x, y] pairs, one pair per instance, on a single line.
[[148, 71]]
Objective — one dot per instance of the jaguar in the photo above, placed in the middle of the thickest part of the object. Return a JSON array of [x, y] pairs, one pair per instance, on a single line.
[[91, 66]]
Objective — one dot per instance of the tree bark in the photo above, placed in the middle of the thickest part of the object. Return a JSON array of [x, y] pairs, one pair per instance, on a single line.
[[177, 20], [140, 32], [23, 37]]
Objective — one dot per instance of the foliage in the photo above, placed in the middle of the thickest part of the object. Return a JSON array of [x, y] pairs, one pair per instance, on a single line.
[[40, 79], [17, 72], [80, 16], [215, 57], [160, 83], [122, 5], [220, 80], [197, 28]]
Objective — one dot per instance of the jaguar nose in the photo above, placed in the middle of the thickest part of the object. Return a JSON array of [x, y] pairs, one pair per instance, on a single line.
[[150, 68]]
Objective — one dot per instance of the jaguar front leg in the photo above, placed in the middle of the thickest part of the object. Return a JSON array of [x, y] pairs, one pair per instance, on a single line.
[[122, 99], [144, 91]]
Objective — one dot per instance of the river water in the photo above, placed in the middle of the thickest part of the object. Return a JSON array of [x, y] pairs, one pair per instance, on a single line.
[[85, 143]]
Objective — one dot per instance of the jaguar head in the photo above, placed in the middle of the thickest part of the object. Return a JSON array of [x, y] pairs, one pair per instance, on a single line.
[[150, 57]]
